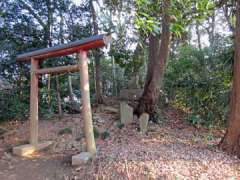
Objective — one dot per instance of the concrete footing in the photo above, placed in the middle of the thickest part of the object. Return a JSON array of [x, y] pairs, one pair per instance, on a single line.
[[28, 149]]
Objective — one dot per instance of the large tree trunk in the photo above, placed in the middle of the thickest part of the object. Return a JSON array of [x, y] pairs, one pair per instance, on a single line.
[[97, 69], [230, 142], [156, 65]]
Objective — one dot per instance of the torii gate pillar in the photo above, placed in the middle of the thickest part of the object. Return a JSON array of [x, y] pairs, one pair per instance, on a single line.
[[27, 149], [34, 103], [85, 93]]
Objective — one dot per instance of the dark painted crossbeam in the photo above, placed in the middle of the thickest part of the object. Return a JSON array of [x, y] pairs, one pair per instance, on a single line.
[[92, 42]]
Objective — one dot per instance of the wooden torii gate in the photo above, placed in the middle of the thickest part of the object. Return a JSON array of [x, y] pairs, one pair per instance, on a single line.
[[80, 47]]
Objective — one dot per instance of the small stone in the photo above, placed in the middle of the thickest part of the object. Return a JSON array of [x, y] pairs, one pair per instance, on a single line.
[[126, 113], [7, 156], [81, 158], [143, 120], [98, 119]]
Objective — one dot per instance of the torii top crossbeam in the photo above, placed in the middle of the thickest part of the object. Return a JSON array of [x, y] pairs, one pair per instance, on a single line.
[[92, 42]]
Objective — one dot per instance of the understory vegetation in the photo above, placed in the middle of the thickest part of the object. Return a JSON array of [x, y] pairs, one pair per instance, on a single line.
[[198, 82]]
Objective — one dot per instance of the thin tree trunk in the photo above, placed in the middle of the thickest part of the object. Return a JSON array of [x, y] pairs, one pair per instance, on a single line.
[[198, 36], [49, 92], [156, 65], [71, 96], [61, 38], [20, 82], [98, 81], [212, 30], [97, 69], [70, 88], [228, 17], [59, 97], [114, 89], [230, 142]]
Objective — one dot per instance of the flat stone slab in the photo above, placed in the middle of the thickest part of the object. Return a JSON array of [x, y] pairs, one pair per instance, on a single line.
[[143, 121], [81, 158], [111, 109], [130, 94], [126, 113], [28, 149], [102, 108]]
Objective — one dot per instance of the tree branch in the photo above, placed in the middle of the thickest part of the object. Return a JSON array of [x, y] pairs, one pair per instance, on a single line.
[[31, 11]]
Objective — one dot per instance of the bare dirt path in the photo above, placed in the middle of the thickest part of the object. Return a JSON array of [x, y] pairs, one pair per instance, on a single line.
[[170, 150]]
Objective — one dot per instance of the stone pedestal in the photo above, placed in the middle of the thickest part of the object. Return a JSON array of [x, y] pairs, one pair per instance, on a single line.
[[143, 121], [81, 158], [28, 149], [126, 113]]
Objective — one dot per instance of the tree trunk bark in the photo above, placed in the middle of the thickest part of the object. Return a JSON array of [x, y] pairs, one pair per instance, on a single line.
[[230, 142], [198, 36], [228, 17], [97, 69], [59, 98], [156, 65], [211, 38], [49, 92], [70, 88], [61, 38], [98, 79], [71, 95], [114, 88]]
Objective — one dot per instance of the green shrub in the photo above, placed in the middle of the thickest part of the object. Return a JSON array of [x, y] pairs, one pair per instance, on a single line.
[[199, 84], [120, 125], [13, 106], [96, 133], [105, 135], [65, 131]]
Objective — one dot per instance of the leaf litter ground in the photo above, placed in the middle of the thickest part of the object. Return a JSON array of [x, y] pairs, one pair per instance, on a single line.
[[172, 149]]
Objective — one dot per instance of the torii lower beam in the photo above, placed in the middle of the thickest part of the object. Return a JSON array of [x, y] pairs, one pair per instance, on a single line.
[[58, 70]]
